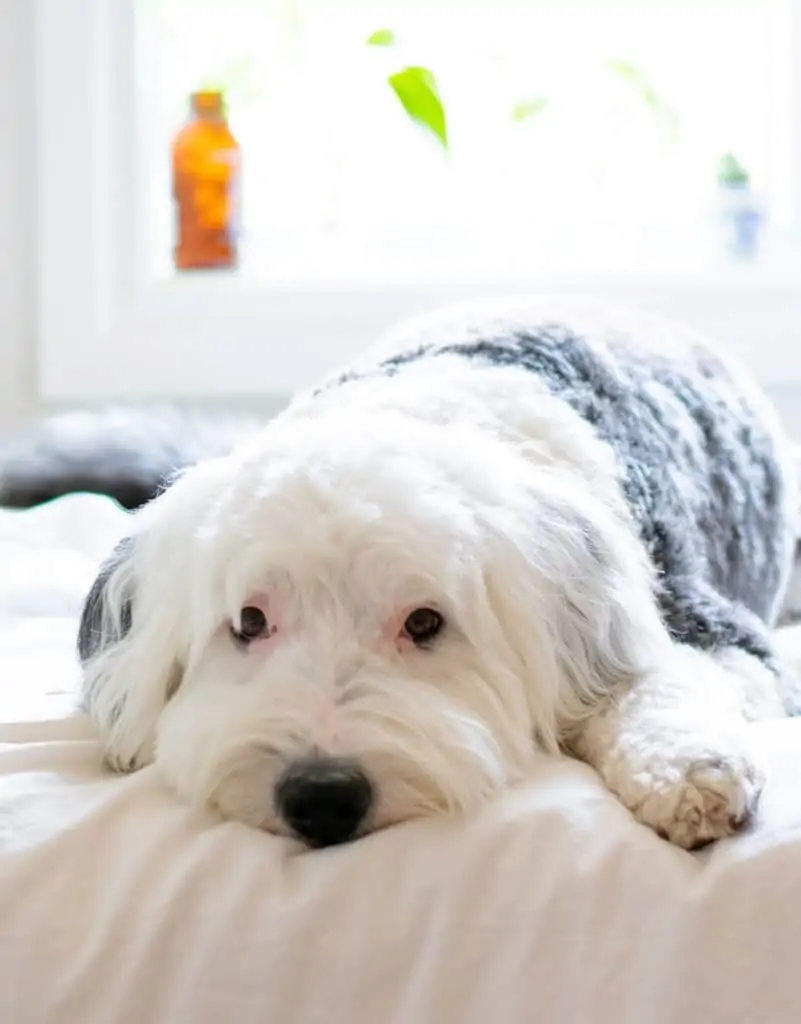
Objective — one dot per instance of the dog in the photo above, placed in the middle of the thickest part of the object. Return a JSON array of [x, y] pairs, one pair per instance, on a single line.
[[546, 525]]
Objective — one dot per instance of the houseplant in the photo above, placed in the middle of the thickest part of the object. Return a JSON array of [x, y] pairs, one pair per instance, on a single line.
[[739, 210]]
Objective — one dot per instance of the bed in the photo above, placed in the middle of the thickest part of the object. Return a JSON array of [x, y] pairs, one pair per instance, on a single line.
[[119, 905]]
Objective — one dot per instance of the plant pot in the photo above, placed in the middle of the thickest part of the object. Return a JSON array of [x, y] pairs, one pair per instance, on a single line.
[[742, 219]]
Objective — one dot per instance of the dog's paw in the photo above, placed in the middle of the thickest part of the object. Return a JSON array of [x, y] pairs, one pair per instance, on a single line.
[[692, 803], [125, 761]]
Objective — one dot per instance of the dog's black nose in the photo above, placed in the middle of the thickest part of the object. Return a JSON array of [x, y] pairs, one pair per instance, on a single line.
[[323, 800]]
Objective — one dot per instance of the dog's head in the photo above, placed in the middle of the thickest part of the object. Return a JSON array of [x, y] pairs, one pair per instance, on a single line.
[[347, 624]]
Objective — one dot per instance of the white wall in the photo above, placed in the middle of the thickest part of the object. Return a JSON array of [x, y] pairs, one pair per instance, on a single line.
[[17, 225]]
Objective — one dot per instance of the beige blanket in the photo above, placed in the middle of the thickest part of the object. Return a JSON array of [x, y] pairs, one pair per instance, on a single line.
[[119, 905]]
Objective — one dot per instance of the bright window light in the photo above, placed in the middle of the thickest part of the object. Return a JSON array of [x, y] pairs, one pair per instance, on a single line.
[[579, 132]]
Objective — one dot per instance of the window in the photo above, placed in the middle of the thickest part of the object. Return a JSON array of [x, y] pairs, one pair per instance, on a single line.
[[584, 143], [579, 131]]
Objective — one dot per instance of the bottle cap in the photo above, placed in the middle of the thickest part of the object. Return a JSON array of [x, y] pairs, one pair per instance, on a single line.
[[208, 103]]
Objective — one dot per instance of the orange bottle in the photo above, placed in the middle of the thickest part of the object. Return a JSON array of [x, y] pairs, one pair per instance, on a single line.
[[205, 173]]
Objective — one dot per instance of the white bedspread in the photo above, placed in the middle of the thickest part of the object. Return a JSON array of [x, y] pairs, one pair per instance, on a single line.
[[118, 905]]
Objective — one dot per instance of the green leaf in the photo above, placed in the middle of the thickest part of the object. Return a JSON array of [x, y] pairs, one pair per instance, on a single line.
[[382, 37], [731, 171], [417, 90], [524, 110], [629, 73]]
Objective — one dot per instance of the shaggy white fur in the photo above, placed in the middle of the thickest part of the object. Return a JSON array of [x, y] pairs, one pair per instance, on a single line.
[[444, 488]]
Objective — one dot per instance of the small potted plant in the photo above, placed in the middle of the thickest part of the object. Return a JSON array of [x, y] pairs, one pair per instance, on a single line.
[[740, 211]]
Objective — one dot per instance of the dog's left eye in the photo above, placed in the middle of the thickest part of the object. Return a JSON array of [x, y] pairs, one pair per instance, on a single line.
[[423, 625], [252, 625]]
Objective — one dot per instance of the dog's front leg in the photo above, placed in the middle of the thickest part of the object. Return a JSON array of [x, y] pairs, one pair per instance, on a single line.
[[674, 749]]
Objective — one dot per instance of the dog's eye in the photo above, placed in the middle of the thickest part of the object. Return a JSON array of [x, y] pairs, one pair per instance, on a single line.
[[423, 625], [252, 625]]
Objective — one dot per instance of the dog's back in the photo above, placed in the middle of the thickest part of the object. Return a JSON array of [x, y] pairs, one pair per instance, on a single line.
[[706, 470]]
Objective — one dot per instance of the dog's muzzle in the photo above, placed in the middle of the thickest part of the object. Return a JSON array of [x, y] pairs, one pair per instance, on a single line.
[[323, 800]]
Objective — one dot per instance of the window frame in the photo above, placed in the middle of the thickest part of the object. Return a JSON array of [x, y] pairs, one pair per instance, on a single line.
[[106, 332]]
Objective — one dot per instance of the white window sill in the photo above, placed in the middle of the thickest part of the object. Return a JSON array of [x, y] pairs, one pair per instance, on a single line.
[[222, 336]]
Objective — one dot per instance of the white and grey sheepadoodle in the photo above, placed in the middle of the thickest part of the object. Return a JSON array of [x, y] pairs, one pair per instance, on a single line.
[[549, 526]]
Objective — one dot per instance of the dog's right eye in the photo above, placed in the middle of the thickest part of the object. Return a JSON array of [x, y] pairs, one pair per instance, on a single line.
[[252, 625], [422, 626]]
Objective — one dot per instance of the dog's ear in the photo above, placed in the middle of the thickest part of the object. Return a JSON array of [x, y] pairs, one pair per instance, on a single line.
[[574, 596], [105, 620], [130, 666], [133, 637]]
